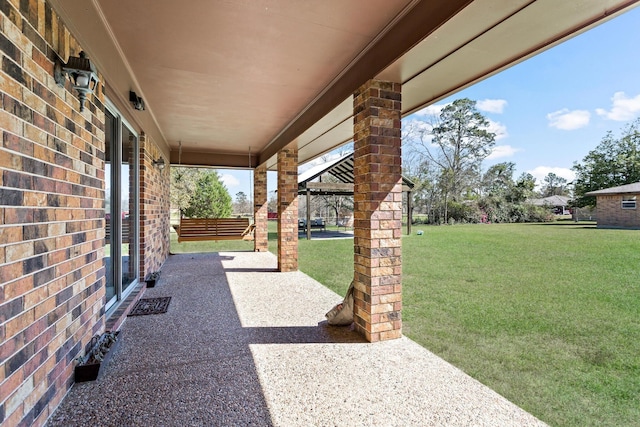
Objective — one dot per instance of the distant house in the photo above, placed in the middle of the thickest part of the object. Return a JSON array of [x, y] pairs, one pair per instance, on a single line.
[[557, 203], [617, 207]]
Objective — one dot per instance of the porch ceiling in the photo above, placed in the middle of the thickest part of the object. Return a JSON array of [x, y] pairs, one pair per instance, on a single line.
[[226, 78]]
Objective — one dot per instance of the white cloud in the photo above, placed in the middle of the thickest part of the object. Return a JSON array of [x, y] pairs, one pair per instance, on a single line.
[[229, 180], [498, 128], [541, 171], [501, 151], [568, 120], [623, 108], [414, 127], [492, 105], [431, 110]]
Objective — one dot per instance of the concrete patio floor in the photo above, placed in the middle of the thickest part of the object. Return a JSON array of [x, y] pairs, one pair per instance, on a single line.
[[242, 344]]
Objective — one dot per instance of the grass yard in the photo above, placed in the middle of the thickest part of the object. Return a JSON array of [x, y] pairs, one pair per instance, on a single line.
[[548, 315], [208, 245]]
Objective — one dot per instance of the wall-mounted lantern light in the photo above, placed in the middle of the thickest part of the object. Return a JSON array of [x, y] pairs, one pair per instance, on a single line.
[[159, 163], [83, 76], [137, 101]]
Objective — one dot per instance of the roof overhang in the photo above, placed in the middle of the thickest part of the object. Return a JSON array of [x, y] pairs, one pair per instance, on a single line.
[[633, 188], [229, 84]]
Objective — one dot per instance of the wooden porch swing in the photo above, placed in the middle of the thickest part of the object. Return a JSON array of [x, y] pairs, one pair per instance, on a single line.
[[199, 229], [202, 229]]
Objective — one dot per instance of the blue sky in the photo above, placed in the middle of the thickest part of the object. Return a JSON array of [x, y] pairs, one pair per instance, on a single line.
[[552, 109]]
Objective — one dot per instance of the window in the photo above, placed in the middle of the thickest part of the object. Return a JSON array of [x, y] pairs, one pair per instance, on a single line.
[[628, 202]]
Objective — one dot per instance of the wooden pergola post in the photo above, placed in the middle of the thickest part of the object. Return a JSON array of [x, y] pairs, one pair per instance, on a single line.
[[308, 214], [409, 213]]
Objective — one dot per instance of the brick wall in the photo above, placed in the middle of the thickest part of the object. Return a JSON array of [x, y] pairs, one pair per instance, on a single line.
[[154, 208], [288, 208], [610, 213], [261, 234], [51, 215], [377, 210]]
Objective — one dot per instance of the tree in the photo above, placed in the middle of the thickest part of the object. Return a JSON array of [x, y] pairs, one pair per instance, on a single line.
[[457, 141], [339, 204], [524, 188], [497, 181], [210, 198], [183, 185], [554, 185], [463, 141], [242, 202], [612, 163], [426, 192], [272, 203]]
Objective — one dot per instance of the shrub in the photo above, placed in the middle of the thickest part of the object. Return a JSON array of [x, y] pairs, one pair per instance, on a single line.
[[466, 212], [498, 211]]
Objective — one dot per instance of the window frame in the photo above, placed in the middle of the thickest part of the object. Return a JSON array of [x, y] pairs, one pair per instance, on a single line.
[[116, 182], [629, 202]]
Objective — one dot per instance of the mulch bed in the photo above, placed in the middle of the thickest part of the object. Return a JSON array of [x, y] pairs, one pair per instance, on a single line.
[[150, 306]]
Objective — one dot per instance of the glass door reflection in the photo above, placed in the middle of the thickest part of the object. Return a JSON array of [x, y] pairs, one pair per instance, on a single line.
[[121, 208], [110, 132], [128, 211]]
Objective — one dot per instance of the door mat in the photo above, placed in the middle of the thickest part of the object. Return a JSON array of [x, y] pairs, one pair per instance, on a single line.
[[150, 306]]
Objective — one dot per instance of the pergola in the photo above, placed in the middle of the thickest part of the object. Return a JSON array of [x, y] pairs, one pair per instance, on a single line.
[[341, 169]]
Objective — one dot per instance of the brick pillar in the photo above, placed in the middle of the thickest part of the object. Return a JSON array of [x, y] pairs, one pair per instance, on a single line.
[[377, 210], [288, 208], [260, 242], [154, 207]]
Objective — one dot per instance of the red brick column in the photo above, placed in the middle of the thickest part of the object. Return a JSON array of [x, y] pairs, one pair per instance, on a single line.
[[260, 242], [377, 210], [288, 208], [154, 208]]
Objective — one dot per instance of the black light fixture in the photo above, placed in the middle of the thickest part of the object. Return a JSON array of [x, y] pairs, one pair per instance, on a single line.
[[137, 101], [83, 76], [159, 163]]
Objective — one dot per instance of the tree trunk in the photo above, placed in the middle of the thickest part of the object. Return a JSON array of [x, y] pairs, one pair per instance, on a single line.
[[446, 207]]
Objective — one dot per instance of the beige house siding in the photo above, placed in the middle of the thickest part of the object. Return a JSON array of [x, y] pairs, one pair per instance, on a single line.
[[610, 213]]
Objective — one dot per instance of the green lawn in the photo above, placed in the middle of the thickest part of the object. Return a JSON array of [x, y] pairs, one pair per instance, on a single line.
[[548, 315], [208, 246]]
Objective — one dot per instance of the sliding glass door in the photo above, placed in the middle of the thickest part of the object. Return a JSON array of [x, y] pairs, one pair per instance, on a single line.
[[121, 207], [129, 206]]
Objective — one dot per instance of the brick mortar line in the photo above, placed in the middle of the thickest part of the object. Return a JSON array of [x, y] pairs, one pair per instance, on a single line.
[[56, 124], [56, 181], [53, 106], [25, 156], [53, 265]]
